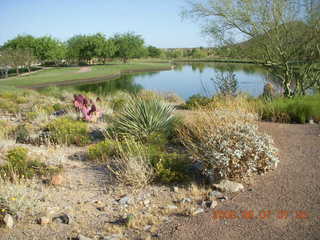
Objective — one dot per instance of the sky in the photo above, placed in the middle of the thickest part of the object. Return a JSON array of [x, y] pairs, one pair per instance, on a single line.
[[158, 21]]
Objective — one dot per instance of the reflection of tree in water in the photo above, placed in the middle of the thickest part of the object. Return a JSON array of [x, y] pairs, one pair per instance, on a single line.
[[198, 66], [125, 83], [178, 67], [246, 68]]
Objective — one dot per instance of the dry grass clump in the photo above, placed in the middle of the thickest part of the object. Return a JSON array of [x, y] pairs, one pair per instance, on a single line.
[[131, 164], [226, 140], [20, 198]]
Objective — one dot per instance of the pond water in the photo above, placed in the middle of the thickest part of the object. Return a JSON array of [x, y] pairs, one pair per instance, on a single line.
[[186, 80]]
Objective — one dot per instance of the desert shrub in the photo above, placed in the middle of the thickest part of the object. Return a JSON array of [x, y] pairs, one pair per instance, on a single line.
[[5, 129], [295, 110], [9, 106], [67, 131], [102, 151], [171, 168], [118, 104], [172, 97], [141, 118], [226, 83], [22, 133], [131, 165], [18, 165], [268, 92], [196, 101], [228, 143]]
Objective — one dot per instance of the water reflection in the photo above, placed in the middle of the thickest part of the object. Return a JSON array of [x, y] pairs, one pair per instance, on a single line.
[[126, 83], [186, 80]]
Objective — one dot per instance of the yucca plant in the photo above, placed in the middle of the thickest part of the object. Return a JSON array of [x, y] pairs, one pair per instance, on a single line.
[[142, 117]]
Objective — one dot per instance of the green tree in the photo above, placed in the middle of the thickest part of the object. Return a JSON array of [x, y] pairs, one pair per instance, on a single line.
[[154, 52], [198, 53], [286, 32], [49, 49], [21, 42], [129, 45]]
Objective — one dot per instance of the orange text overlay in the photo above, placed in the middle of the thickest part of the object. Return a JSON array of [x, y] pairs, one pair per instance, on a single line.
[[262, 214]]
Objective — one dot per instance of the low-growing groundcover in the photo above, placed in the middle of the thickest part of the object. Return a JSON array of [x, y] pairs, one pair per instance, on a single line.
[[67, 131], [19, 165]]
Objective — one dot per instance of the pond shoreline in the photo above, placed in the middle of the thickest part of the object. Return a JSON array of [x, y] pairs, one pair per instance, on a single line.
[[94, 79]]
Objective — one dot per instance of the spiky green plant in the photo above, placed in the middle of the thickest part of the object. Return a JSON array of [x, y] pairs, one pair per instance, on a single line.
[[142, 117]]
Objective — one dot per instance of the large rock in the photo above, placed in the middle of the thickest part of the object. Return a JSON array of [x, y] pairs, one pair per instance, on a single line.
[[229, 186], [8, 220]]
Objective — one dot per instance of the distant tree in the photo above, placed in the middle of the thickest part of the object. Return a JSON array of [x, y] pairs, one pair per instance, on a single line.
[[153, 51], [49, 49], [4, 62], [198, 53], [103, 48], [83, 48], [26, 58], [21, 42], [129, 45]]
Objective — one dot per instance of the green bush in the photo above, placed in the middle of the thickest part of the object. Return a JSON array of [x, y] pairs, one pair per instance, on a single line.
[[171, 168], [19, 165], [8, 106], [196, 101], [141, 118], [102, 151], [68, 131], [22, 133], [295, 110]]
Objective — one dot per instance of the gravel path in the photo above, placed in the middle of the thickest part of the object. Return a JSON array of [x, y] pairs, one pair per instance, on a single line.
[[294, 188]]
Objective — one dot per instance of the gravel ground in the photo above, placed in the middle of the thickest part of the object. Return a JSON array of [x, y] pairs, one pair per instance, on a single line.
[[285, 203]]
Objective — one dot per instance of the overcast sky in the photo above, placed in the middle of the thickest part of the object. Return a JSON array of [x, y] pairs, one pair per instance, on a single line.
[[158, 21]]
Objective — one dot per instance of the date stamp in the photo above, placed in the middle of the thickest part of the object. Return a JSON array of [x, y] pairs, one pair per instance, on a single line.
[[262, 214]]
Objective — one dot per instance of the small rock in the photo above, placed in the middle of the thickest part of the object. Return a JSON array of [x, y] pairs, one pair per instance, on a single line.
[[113, 237], [311, 121], [171, 207], [125, 200], [146, 228], [205, 204], [216, 194], [56, 180], [213, 204], [81, 237], [175, 189], [44, 220], [198, 211], [64, 218], [146, 202], [101, 209], [229, 186], [186, 200], [8, 220]]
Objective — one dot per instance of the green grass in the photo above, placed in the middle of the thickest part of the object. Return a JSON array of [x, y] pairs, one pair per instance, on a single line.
[[72, 73], [295, 110]]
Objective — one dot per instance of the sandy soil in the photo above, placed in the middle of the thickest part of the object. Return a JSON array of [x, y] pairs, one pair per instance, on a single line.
[[292, 189]]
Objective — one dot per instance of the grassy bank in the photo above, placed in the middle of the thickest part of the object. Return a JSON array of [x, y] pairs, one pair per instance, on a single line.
[[55, 75]]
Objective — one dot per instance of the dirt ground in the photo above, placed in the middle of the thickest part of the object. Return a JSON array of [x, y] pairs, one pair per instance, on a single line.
[[91, 200], [285, 203]]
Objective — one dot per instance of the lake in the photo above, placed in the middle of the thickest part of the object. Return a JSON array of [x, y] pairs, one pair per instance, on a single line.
[[186, 80]]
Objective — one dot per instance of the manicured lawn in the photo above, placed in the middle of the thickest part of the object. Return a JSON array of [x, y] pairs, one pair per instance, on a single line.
[[72, 73]]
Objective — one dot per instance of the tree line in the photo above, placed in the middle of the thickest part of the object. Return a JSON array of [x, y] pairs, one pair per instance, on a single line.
[[26, 50]]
